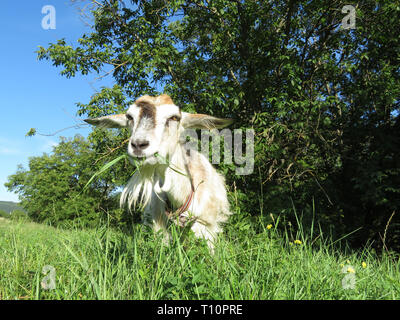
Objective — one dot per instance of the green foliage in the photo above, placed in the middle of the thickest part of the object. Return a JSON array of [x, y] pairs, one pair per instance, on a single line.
[[19, 215], [31, 132], [4, 214], [52, 189], [324, 101]]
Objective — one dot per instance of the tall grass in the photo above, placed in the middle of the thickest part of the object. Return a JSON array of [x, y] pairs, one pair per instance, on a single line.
[[252, 261]]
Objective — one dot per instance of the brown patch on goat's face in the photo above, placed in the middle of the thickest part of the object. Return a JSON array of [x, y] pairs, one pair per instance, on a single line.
[[163, 99], [148, 106], [147, 110], [156, 101], [145, 99]]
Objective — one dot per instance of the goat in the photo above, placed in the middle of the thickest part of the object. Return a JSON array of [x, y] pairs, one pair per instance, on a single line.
[[187, 180]]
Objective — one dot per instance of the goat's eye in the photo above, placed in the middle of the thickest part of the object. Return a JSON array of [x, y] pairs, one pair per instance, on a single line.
[[129, 117], [174, 118]]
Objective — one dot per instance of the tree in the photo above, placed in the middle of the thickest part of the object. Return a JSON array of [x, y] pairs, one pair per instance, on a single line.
[[18, 215], [324, 101], [52, 190], [4, 214]]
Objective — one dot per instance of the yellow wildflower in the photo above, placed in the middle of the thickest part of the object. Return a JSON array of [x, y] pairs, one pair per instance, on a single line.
[[351, 270], [269, 226], [363, 264], [297, 241]]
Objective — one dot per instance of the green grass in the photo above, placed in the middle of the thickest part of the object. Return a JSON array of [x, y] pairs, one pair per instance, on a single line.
[[250, 262]]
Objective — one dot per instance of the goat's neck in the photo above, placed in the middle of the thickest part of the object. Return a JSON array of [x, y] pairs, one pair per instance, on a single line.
[[176, 177]]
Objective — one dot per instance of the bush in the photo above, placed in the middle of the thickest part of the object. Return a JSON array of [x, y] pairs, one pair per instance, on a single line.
[[4, 214], [19, 215]]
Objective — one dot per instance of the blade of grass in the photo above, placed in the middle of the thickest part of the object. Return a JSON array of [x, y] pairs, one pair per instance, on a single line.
[[103, 169], [166, 161], [345, 236]]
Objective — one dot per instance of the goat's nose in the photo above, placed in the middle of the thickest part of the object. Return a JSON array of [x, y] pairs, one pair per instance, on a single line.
[[140, 144]]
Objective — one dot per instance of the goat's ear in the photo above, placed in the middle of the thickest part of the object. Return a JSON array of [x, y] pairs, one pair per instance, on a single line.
[[113, 121], [203, 121]]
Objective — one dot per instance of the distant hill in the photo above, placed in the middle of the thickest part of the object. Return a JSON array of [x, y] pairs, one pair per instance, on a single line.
[[9, 206]]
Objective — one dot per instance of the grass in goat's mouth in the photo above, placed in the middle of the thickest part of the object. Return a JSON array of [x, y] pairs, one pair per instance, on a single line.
[[107, 166], [138, 164], [166, 161]]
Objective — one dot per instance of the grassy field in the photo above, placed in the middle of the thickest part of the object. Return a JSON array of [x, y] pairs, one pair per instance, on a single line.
[[251, 262]]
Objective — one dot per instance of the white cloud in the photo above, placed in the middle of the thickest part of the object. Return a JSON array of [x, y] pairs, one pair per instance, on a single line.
[[9, 151], [8, 147], [48, 145]]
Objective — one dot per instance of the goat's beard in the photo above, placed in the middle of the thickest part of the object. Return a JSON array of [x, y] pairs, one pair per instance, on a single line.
[[141, 185], [138, 190]]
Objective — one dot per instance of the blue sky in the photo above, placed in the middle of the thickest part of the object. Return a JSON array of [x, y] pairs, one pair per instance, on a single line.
[[32, 93]]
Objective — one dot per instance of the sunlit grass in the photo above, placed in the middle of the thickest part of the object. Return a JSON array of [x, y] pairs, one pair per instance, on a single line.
[[248, 264]]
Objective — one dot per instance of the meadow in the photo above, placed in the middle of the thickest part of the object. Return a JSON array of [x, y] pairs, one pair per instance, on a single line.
[[252, 261]]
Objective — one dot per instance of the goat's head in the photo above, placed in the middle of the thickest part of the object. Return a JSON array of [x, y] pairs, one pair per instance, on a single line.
[[156, 124]]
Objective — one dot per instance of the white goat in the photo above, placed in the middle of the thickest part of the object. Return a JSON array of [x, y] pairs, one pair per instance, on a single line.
[[187, 180]]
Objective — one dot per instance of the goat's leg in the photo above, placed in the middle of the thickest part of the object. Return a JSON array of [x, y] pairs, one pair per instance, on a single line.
[[156, 210], [205, 232]]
